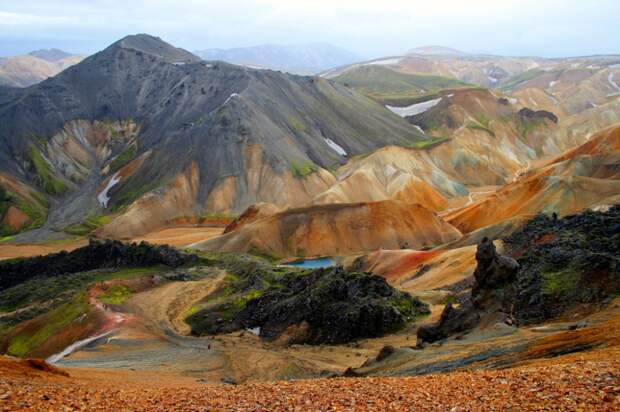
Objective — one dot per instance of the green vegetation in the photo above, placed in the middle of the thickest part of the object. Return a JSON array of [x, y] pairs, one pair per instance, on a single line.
[[296, 125], [521, 78], [384, 84], [428, 143], [301, 170], [218, 215], [116, 295], [39, 290], [128, 196], [123, 158], [483, 122], [89, 225], [36, 212], [560, 283], [45, 177], [55, 321]]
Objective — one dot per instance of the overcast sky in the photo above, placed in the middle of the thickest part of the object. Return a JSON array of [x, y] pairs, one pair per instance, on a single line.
[[369, 28]]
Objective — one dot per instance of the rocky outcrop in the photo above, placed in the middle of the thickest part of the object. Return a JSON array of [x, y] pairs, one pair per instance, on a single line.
[[565, 263], [494, 279], [97, 254], [492, 296], [529, 114], [561, 264], [325, 306]]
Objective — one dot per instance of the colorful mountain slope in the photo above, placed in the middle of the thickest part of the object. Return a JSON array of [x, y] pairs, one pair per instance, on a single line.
[[337, 229], [206, 137], [582, 177]]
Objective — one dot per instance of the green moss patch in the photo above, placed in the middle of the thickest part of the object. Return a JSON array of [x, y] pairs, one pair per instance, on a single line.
[[301, 170], [560, 283], [116, 295], [428, 143], [44, 176], [123, 158]]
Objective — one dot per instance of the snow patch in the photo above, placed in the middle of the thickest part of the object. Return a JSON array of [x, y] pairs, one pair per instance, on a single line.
[[418, 128], [335, 147], [552, 83], [384, 62], [389, 170], [75, 346], [103, 197], [414, 108], [230, 97], [611, 80], [493, 79], [512, 100], [255, 330], [178, 63]]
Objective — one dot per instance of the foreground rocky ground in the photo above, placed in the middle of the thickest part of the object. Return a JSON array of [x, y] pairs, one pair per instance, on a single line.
[[587, 382]]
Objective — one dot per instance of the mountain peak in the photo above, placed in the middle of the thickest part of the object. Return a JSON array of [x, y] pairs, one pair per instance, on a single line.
[[155, 46], [50, 55]]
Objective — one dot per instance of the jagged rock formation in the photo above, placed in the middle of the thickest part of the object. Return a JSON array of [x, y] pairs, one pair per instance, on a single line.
[[492, 296], [562, 264], [494, 279], [321, 306], [97, 254]]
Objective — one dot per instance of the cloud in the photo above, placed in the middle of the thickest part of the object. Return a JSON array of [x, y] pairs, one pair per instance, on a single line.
[[368, 27]]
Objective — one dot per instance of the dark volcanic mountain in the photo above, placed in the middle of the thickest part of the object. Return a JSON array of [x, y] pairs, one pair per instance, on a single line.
[[152, 132]]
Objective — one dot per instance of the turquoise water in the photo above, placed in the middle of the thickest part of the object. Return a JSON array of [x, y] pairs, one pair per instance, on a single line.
[[313, 263]]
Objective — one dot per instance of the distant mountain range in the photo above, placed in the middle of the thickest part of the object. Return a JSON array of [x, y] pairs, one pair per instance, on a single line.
[[298, 59], [31, 68]]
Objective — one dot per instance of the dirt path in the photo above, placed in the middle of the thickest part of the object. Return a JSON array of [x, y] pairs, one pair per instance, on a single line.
[[180, 236], [166, 305], [173, 236], [10, 251]]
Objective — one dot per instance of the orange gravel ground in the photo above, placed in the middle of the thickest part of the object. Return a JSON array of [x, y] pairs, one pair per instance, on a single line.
[[579, 383]]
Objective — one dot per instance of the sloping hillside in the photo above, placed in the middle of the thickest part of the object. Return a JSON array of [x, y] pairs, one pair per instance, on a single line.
[[144, 121], [32, 68], [337, 229], [586, 176]]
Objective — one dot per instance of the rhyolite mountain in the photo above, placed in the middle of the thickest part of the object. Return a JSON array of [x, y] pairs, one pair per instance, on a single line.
[[151, 132], [299, 59], [31, 68]]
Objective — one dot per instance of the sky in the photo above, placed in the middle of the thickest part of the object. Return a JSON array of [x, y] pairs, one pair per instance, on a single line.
[[550, 28]]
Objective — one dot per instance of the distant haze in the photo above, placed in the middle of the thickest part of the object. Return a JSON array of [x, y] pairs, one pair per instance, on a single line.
[[550, 28]]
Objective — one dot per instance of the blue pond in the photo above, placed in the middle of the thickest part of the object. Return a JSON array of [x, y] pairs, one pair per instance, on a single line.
[[313, 263]]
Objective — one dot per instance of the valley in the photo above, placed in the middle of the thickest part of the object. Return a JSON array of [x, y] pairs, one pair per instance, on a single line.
[[436, 230]]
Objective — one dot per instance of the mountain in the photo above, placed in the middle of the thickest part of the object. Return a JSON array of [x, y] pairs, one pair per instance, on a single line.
[[299, 59], [340, 229], [29, 69], [149, 132], [51, 55], [436, 51]]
